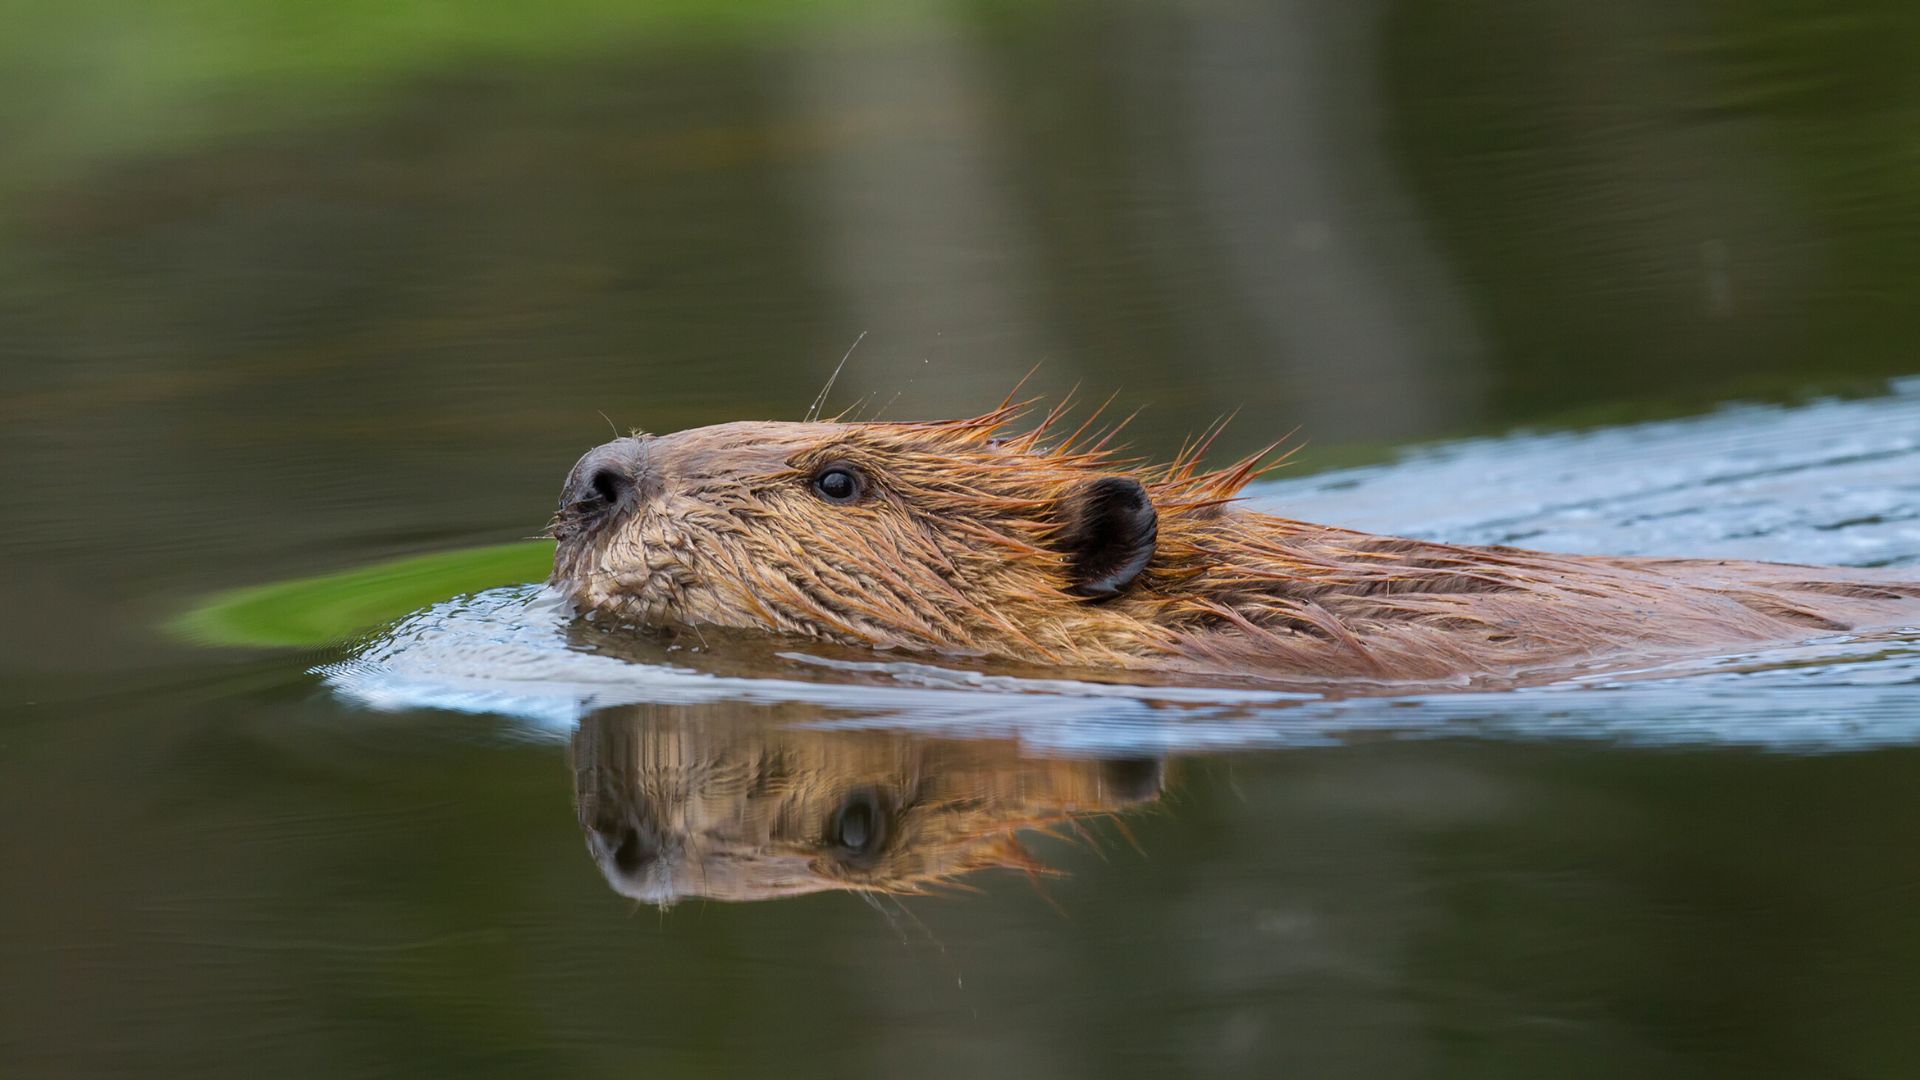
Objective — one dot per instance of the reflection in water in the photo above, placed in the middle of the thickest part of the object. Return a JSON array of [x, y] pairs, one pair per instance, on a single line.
[[676, 803], [910, 226], [1313, 232]]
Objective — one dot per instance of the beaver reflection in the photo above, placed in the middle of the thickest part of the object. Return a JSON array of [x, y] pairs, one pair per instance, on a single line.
[[675, 807]]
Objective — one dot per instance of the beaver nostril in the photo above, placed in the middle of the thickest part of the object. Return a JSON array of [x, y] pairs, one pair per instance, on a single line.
[[604, 484], [609, 485]]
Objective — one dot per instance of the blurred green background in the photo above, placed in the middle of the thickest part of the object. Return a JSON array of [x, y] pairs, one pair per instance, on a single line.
[[291, 287]]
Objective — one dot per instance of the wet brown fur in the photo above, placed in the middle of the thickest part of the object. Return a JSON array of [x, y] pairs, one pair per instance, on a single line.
[[957, 549]]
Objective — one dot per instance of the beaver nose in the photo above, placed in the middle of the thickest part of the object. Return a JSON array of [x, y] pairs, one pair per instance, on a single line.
[[606, 476]]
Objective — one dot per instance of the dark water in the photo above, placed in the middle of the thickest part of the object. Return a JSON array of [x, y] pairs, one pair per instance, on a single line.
[[292, 288]]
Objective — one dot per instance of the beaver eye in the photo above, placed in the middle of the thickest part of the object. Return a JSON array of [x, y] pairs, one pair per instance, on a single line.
[[839, 484], [857, 832]]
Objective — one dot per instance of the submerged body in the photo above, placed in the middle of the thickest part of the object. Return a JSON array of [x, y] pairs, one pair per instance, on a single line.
[[949, 538]]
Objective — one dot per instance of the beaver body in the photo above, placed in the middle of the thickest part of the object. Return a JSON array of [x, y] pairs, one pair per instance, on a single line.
[[950, 537]]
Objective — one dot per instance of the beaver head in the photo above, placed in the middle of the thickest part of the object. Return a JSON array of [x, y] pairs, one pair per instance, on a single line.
[[935, 536]]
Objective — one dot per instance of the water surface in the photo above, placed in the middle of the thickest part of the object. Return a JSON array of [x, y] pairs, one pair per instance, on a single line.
[[291, 288]]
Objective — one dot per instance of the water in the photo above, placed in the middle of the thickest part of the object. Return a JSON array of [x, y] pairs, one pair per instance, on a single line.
[[286, 289]]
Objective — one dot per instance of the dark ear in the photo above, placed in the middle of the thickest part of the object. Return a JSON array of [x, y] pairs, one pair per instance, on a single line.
[[1108, 529]]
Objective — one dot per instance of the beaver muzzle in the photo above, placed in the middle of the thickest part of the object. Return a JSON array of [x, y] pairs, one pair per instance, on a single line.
[[604, 486]]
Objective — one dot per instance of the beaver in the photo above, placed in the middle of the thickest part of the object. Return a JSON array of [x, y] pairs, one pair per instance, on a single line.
[[679, 803], [962, 537]]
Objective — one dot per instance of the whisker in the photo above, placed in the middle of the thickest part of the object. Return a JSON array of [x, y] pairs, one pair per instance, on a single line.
[[821, 401]]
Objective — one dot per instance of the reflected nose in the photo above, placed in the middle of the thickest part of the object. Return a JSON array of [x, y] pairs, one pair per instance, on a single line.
[[629, 847], [607, 477]]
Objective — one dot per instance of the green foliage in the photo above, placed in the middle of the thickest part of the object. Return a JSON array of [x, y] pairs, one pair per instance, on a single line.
[[317, 610]]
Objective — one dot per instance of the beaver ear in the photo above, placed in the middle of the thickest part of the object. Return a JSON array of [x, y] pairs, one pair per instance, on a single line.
[[1108, 529]]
